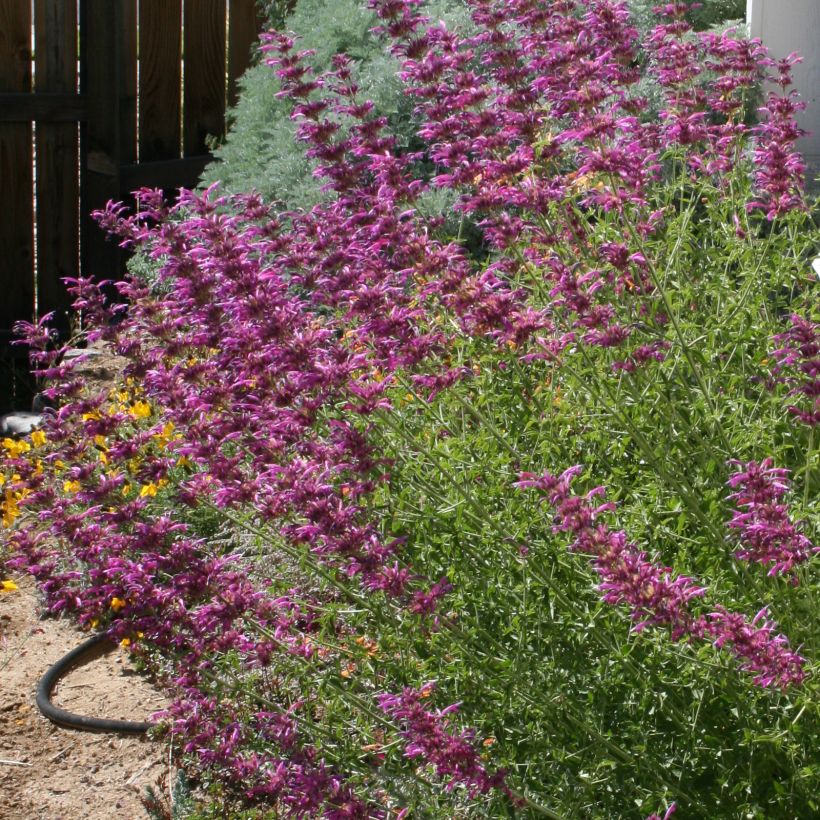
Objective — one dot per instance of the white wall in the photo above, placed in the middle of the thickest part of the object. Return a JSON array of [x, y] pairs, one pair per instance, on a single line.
[[785, 26]]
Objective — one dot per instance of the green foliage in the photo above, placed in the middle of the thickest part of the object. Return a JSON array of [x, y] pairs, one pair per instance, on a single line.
[[261, 152], [276, 11], [711, 14], [178, 805], [589, 717]]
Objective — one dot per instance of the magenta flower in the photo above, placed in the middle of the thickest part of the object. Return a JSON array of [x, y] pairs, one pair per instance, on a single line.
[[430, 737], [757, 646], [765, 531], [666, 815], [798, 366]]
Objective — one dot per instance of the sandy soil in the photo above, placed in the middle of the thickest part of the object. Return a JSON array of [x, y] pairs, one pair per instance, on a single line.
[[50, 773]]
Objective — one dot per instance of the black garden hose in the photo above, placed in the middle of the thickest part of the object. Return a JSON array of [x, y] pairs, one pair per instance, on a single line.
[[68, 719]]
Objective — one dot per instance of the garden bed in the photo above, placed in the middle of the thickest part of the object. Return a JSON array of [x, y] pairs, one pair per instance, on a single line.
[[49, 772]]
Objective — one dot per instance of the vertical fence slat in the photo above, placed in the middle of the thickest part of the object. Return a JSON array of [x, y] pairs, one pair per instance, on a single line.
[[101, 28], [55, 50], [16, 198], [160, 43], [244, 25], [204, 92], [128, 81]]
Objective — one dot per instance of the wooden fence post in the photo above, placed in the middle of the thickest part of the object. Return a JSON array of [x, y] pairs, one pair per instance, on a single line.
[[16, 205], [244, 25], [57, 147], [205, 76], [160, 24], [108, 80]]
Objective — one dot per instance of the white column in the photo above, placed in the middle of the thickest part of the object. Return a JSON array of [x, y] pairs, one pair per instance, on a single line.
[[785, 26]]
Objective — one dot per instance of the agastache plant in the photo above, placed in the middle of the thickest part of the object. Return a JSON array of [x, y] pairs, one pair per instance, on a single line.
[[266, 371]]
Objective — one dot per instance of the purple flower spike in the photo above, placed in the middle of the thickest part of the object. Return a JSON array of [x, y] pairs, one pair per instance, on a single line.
[[430, 736], [798, 366], [757, 646], [765, 531]]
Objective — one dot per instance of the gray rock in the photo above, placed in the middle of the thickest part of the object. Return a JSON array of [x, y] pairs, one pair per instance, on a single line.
[[77, 352], [20, 423], [41, 403]]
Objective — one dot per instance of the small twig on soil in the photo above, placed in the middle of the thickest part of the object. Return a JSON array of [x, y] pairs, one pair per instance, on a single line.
[[134, 777], [59, 755], [170, 786], [13, 763]]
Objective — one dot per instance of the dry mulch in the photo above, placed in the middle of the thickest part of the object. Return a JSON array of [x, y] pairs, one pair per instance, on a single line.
[[65, 774]]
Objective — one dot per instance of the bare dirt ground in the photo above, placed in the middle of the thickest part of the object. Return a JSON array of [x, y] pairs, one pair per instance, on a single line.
[[50, 773]]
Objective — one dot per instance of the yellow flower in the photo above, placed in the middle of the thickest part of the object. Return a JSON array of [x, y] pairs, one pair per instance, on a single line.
[[101, 442], [38, 438], [140, 409], [10, 512], [15, 448], [10, 508], [7, 586], [71, 487], [370, 646], [125, 642], [126, 488], [148, 489], [117, 604]]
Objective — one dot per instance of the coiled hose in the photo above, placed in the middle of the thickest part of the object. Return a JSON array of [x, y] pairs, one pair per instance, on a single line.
[[68, 719]]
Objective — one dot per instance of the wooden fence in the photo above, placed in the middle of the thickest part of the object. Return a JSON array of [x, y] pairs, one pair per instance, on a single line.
[[98, 98]]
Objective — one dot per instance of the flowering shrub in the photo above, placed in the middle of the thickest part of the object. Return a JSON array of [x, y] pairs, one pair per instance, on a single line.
[[260, 152], [349, 394]]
